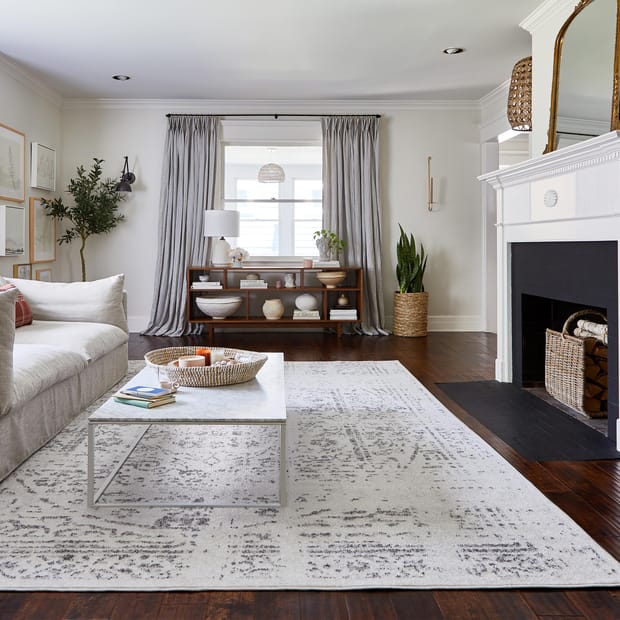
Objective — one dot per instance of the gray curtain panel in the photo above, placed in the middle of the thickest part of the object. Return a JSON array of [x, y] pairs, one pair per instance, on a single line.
[[187, 189], [351, 206]]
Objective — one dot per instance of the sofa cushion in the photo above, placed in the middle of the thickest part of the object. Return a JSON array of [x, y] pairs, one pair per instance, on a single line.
[[89, 340], [37, 367], [7, 336], [23, 313], [99, 301]]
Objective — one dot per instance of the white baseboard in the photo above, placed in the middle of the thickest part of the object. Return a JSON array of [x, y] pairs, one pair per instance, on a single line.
[[452, 323]]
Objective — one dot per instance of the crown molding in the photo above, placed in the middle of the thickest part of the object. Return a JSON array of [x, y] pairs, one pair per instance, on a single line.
[[547, 11], [28, 81], [265, 106]]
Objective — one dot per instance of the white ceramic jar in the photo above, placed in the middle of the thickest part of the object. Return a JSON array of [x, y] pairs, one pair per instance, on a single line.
[[273, 309]]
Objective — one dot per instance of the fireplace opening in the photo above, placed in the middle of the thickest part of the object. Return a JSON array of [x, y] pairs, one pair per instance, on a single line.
[[549, 282]]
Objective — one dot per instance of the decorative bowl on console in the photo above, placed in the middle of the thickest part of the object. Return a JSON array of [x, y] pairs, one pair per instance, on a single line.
[[331, 279], [218, 307]]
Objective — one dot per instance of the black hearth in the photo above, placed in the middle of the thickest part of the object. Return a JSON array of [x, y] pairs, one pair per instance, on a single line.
[[550, 281]]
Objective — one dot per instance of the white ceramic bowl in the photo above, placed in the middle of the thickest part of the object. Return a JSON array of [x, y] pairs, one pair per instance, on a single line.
[[218, 307], [331, 279]]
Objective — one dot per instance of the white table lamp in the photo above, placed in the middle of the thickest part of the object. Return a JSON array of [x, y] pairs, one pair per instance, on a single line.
[[220, 223]]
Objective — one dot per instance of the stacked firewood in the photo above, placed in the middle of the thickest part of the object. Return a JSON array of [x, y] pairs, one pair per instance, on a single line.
[[595, 389]]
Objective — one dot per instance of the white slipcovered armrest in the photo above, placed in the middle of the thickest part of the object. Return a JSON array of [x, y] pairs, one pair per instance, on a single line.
[[7, 339]]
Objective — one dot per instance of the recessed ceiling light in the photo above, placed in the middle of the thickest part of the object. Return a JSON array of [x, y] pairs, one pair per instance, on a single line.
[[453, 50], [121, 78]]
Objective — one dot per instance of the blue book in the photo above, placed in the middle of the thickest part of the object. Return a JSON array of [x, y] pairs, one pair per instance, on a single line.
[[145, 391]]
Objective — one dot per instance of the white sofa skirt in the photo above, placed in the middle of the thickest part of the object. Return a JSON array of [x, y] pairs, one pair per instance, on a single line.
[[30, 426]]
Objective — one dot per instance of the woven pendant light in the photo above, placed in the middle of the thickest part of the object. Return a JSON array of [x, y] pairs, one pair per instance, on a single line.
[[271, 173], [520, 96]]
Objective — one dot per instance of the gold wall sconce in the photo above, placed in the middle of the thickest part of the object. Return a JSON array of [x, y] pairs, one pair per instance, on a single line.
[[429, 186]]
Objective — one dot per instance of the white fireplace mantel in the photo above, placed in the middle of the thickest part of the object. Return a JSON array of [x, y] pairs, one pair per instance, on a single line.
[[572, 194]]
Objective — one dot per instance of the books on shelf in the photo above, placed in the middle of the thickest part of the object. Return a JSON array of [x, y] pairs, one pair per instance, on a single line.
[[326, 263], [306, 314], [343, 314], [203, 286], [252, 284]]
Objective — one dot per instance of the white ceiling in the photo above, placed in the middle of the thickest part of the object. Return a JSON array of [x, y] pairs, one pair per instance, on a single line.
[[266, 49]]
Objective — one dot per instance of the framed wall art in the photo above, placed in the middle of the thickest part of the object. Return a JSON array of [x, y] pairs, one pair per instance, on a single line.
[[42, 167], [12, 230], [12, 164], [23, 271], [42, 234], [44, 275]]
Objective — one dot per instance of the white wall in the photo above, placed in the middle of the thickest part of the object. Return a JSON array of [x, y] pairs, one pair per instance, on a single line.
[[409, 133], [29, 107]]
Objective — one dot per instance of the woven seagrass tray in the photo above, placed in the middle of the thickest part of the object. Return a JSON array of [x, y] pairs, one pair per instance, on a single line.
[[249, 364]]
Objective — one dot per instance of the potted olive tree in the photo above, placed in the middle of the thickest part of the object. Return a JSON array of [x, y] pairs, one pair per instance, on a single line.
[[95, 208], [410, 300]]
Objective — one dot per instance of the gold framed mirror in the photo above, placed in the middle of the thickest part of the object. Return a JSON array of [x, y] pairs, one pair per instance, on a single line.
[[586, 62]]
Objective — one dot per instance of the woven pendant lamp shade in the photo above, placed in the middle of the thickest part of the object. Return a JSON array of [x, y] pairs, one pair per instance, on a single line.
[[520, 96], [271, 173]]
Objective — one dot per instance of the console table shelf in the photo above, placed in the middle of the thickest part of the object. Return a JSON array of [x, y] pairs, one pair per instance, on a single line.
[[250, 311]]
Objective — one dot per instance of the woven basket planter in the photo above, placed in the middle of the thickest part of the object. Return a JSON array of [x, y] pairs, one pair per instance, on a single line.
[[565, 365], [410, 314]]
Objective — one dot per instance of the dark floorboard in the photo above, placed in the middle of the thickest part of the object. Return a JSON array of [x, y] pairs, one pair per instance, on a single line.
[[588, 491], [534, 428]]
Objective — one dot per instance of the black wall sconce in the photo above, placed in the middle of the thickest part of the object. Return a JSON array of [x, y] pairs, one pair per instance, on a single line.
[[127, 178]]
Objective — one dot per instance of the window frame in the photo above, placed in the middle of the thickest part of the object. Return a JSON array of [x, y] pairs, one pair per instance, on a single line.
[[306, 132]]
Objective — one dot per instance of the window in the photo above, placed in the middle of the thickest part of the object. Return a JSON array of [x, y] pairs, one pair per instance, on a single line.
[[277, 219]]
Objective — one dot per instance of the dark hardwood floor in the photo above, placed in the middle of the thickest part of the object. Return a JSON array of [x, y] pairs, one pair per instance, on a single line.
[[587, 491]]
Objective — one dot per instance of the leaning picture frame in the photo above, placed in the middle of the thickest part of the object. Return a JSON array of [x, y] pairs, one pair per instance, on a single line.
[[23, 271], [42, 167], [43, 275], [42, 233], [12, 164]]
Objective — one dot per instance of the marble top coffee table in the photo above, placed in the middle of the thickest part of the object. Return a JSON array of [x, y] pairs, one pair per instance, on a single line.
[[257, 402]]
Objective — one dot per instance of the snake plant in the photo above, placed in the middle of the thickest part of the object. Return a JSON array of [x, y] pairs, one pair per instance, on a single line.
[[410, 264]]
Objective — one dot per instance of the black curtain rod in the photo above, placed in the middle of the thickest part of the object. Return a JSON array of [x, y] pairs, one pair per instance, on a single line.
[[277, 115]]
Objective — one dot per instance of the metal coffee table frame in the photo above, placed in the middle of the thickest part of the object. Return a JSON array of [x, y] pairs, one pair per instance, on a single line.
[[268, 387]]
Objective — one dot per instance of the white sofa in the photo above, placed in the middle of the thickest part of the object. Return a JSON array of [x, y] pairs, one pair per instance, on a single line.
[[74, 350]]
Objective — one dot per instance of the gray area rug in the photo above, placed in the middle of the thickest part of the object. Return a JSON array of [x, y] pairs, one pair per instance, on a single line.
[[387, 489]]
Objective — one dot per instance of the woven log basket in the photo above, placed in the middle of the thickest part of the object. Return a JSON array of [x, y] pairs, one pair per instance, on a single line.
[[565, 363], [410, 314]]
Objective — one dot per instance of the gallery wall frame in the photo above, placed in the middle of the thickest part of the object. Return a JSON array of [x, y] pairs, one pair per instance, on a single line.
[[12, 164], [42, 167], [42, 233], [12, 230], [44, 275], [23, 271]]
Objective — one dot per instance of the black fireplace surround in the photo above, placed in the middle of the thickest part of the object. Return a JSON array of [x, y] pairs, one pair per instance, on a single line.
[[550, 281]]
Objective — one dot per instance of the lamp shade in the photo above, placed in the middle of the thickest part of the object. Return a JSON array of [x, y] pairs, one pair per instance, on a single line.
[[221, 223], [271, 173], [520, 96]]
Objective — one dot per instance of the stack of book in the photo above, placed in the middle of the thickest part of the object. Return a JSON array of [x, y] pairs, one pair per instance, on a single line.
[[346, 313], [205, 286], [306, 314], [144, 396], [326, 263], [252, 284]]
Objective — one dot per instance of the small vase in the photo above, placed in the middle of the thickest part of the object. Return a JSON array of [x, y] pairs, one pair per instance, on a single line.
[[343, 300], [273, 309], [237, 263]]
